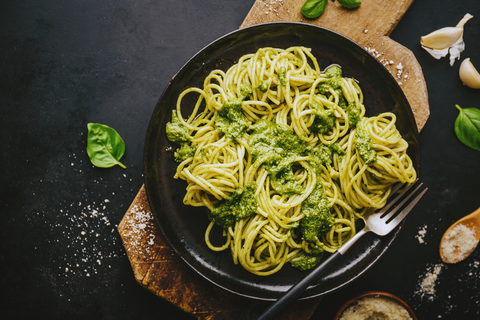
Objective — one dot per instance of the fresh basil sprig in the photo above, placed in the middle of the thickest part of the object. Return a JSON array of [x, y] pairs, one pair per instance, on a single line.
[[467, 127], [105, 147], [350, 3], [314, 8]]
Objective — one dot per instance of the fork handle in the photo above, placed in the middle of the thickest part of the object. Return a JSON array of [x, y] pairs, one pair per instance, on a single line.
[[352, 240], [297, 289]]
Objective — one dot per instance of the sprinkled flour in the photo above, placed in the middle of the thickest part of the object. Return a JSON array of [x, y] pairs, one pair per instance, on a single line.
[[428, 281]]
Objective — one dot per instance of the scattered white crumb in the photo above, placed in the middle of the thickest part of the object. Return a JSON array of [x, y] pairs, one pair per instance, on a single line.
[[399, 70], [421, 234], [139, 227], [80, 229], [272, 6]]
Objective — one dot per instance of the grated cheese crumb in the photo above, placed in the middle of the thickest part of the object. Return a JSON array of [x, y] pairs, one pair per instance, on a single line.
[[427, 285], [458, 243], [375, 308], [421, 235]]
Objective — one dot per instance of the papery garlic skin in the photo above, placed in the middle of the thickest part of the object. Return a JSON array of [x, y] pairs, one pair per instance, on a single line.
[[469, 75], [437, 54], [455, 50], [446, 40]]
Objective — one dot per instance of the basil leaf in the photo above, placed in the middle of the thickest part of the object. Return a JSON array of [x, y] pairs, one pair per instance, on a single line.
[[350, 3], [105, 147], [314, 8], [467, 127]]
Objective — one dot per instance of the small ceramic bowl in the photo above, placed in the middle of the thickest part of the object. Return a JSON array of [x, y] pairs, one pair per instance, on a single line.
[[375, 294]]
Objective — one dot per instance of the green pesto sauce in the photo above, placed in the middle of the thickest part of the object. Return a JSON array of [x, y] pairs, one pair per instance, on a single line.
[[322, 155], [264, 86], [176, 131], [270, 138], [317, 217], [282, 177], [240, 205], [245, 91], [353, 114], [306, 261], [334, 78], [277, 146], [282, 76], [337, 149], [334, 75], [364, 146], [185, 152], [319, 155], [334, 82], [341, 98], [323, 88], [324, 119], [231, 121], [333, 71]]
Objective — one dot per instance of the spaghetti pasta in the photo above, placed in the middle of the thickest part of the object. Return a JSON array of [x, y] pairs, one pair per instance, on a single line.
[[283, 157]]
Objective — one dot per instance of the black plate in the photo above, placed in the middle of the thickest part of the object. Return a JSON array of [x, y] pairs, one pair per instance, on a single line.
[[184, 226]]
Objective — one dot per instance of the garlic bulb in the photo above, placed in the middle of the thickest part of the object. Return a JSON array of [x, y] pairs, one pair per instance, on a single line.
[[469, 75], [446, 40]]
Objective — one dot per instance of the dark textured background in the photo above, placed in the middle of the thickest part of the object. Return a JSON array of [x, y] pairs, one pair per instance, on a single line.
[[66, 63]]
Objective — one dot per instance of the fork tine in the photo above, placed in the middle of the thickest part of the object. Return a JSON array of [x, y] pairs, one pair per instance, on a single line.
[[394, 190], [397, 187], [407, 209], [392, 212]]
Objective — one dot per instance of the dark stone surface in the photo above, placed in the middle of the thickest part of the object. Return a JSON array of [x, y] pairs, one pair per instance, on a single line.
[[66, 63]]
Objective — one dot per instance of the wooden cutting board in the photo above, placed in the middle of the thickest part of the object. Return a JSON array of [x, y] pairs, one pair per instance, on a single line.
[[155, 265]]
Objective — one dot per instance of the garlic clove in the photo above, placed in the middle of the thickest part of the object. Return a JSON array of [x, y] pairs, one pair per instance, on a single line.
[[464, 20], [448, 40], [469, 75], [442, 38]]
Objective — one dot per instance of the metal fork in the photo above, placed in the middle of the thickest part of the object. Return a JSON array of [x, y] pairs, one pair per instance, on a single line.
[[380, 223]]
